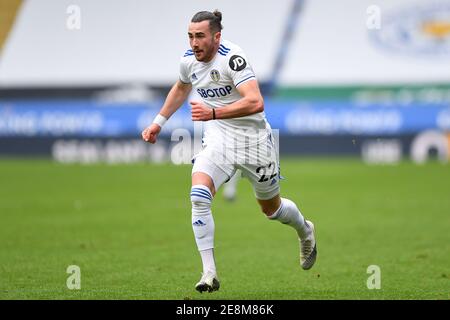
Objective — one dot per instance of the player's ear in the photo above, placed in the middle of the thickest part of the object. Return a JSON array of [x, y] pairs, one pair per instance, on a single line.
[[217, 36]]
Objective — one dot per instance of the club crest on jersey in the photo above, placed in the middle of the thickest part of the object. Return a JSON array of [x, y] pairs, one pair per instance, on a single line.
[[215, 75]]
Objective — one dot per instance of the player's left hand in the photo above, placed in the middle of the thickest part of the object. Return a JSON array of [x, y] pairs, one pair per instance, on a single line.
[[200, 112]]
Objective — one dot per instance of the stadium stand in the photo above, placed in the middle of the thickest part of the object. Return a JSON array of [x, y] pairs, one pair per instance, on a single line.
[[128, 42], [366, 80]]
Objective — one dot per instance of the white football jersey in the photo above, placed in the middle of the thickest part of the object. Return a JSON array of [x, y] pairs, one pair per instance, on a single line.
[[215, 83]]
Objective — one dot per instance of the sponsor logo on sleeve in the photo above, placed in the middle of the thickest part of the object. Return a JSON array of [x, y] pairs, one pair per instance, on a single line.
[[237, 63]]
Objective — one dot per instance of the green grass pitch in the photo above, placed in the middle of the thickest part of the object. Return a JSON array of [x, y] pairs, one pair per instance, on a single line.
[[128, 228]]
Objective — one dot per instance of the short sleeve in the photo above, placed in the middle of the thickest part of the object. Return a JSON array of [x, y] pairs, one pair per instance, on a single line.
[[240, 69], [184, 74]]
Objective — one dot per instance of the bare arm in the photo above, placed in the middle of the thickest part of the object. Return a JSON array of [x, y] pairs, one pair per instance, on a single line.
[[174, 100], [251, 102]]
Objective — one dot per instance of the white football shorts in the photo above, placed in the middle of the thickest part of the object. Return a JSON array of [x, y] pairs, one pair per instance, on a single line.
[[259, 164]]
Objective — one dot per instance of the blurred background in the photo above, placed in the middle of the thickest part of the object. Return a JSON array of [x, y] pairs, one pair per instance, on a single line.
[[79, 80], [359, 91]]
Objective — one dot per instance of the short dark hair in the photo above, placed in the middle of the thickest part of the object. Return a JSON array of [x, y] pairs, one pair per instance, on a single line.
[[214, 18]]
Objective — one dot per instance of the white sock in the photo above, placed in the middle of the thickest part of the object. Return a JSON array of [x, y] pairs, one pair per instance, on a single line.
[[289, 214], [208, 261], [203, 225]]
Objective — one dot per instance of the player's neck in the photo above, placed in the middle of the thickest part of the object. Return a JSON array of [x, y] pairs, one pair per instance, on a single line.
[[214, 54]]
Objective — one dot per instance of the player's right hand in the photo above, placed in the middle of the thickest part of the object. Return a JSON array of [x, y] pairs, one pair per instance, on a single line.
[[150, 133]]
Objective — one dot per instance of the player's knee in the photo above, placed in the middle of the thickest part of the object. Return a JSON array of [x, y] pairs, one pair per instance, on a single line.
[[269, 207], [201, 199], [268, 210]]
